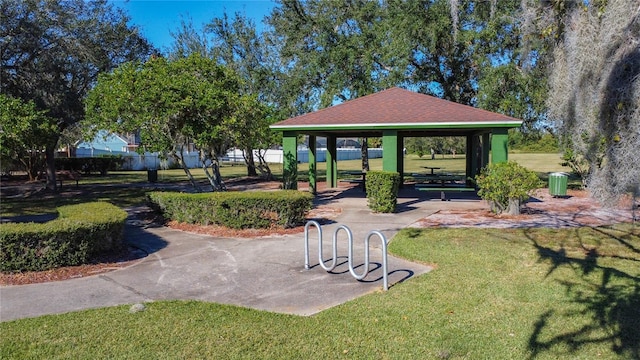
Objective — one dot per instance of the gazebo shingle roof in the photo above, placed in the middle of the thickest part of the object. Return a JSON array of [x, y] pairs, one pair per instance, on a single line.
[[396, 106]]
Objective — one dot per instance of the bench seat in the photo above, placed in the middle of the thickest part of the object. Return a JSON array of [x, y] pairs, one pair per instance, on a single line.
[[442, 189]]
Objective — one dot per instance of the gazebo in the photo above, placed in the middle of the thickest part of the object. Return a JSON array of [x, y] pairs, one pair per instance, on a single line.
[[394, 114]]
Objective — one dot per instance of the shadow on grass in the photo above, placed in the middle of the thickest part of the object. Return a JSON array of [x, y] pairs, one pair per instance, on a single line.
[[608, 297], [47, 202]]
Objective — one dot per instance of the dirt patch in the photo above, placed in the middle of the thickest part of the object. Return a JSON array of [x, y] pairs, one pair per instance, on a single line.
[[543, 210], [102, 264]]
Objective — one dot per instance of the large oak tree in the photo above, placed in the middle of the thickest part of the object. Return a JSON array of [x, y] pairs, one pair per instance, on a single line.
[[470, 52], [595, 88], [52, 52]]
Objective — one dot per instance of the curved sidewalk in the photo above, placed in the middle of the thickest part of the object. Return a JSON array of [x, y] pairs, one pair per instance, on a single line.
[[264, 273]]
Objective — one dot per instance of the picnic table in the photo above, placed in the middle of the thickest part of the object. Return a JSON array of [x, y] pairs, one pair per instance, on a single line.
[[438, 178], [442, 189], [63, 175]]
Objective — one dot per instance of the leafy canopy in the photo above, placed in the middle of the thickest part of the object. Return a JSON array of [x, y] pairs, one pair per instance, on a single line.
[[53, 50], [170, 103], [505, 185], [24, 131]]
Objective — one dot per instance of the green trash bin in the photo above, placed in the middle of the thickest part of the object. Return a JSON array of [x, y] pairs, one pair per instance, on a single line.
[[558, 184]]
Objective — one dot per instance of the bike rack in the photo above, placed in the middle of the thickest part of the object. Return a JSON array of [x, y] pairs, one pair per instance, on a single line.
[[334, 251]]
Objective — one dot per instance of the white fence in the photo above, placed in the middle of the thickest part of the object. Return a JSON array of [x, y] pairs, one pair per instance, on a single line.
[[135, 161]]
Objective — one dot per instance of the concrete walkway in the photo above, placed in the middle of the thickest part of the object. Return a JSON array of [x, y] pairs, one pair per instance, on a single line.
[[264, 273]]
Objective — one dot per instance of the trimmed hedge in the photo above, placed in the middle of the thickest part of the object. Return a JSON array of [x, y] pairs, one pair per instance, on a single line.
[[382, 190], [90, 164], [80, 232], [237, 210]]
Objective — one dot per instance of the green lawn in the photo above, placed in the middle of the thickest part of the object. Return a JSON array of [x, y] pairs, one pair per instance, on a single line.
[[494, 294], [127, 196], [540, 163]]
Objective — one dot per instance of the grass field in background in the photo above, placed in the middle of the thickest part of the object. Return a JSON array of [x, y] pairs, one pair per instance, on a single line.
[[541, 163], [114, 186], [494, 294]]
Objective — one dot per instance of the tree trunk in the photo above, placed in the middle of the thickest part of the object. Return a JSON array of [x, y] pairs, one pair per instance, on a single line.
[[514, 207], [364, 151], [248, 159], [186, 171], [263, 167], [50, 152], [215, 179]]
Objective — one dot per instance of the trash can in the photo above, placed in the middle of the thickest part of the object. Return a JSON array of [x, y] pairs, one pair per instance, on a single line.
[[558, 184], [152, 175]]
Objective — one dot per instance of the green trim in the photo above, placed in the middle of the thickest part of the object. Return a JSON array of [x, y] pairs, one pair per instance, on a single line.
[[313, 179], [476, 155], [485, 149], [400, 158], [290, 160], [400, 126], [390, 151], [468, 170], [499, 146], [332, 162]]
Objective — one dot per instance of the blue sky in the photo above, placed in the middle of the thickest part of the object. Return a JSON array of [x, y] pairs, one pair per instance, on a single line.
[[157, 18]]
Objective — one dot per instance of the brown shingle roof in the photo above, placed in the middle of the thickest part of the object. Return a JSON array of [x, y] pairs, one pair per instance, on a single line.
[[397, 106]]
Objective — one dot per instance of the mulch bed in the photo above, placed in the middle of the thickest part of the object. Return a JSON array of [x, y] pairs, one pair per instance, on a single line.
[[577, 208]]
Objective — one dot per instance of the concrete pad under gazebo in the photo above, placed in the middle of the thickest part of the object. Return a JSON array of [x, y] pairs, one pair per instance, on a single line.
[[394, 114]]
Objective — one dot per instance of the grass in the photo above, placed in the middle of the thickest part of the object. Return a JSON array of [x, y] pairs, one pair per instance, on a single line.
[[499, 294], [123, 195], [494, 294], [540, 163], [116, 188]]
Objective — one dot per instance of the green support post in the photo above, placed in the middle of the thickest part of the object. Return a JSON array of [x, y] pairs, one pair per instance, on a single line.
[[476, 157], [499, 145], [312, 165], [468, 170], [290, 160], [390, 150], [332, 162], [485, 150], [400, 159]]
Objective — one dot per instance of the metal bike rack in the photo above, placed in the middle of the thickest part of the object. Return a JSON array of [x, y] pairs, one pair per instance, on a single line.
[[334, 251]]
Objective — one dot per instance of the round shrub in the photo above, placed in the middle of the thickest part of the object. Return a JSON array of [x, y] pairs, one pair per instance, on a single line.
[[506, 186], [382, 191], [78, 233]]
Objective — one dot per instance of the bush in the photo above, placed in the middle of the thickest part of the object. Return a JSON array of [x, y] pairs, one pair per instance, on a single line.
[[238, 210], [80, 232], [382, 190], [506, 185], [88, 165]]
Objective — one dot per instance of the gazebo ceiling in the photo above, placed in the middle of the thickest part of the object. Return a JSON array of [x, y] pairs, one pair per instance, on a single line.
[[397, 109]]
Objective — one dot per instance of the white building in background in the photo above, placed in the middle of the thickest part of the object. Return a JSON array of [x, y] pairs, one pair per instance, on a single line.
[[111, 144]]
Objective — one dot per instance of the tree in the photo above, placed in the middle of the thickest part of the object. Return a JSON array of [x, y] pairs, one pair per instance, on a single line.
[[416, 145], [24, 131], [172, 104], [52, 52], [235, 43], [336, 47], [594, 94], [506, 186], [470, 52]]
